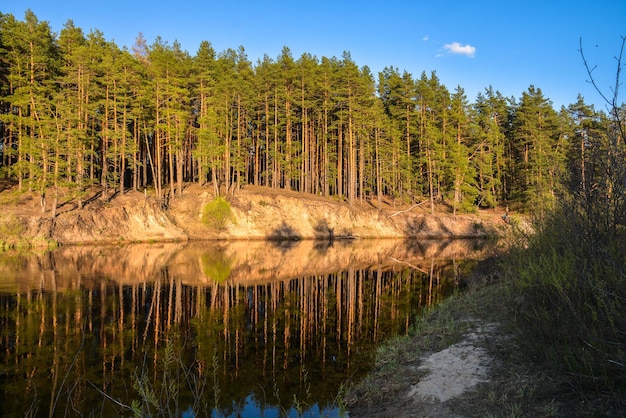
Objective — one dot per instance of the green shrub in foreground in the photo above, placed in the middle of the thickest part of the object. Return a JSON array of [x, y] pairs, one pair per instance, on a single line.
[[217, 213], [569, 301]]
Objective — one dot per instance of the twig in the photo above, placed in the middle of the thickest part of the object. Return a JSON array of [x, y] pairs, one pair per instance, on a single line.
[[109, 397], [613, 102], [82, 344], [590, 71]]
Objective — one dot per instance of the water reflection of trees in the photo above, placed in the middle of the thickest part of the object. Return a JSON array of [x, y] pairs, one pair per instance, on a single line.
[[62, 348]]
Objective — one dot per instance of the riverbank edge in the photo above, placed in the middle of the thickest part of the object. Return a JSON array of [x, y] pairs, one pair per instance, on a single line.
[[256, 213], [516, 385]]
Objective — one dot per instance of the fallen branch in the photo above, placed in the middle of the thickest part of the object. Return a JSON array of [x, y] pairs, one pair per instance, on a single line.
[[412, 207]]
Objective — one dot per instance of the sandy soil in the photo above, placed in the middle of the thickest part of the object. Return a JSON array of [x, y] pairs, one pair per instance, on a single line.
[[432, 384], [451, 372], [257, 213]]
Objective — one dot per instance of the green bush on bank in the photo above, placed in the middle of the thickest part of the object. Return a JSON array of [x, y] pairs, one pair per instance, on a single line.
[[217, 213]]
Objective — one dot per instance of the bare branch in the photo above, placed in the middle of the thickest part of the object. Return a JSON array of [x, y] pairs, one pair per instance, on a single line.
[[612, 102], [617, 73], [590, 71]]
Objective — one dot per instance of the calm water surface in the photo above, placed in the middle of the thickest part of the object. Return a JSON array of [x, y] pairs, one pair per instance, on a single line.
[[209, 329]]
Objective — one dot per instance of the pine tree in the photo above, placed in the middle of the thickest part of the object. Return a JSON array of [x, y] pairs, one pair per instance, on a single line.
[[398, 95], [433, 102], [6, 147], [287, 97], [69, 112], [329, 161], [169, 69], [350, 93], [244, 98], [462, 151], [368, 115], [491, 118], [225, 108], [78, 110], [307, 84], [587, 129], [208, 149], [34, 60], [539, 151], [267, 149]]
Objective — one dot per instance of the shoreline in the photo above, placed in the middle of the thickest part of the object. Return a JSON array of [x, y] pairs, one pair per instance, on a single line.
[[256, 213]]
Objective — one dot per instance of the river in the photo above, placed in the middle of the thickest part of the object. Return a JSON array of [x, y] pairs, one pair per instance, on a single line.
[[243, 328]]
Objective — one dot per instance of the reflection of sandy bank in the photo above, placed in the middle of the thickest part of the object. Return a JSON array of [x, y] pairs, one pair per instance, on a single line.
[[258, 261], [201, 263], [73, 267]]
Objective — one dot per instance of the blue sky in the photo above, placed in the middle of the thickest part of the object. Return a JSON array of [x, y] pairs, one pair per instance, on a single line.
[[474, 44]]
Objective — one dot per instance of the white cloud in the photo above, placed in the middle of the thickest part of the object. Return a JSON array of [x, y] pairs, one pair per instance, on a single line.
[[457, 48], [425, 38]]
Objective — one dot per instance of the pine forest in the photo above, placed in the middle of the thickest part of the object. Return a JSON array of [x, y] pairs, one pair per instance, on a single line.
[[78, 112]]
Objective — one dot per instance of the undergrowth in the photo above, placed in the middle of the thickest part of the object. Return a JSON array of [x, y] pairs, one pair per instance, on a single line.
[[13, 236], [568, 297], [11, 227]]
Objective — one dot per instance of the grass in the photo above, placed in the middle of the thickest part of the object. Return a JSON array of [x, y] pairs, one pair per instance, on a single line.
[[10, 198], [11, 227], [159, 393], [543, 363], [567, 299], [13, 236], [397, 360]]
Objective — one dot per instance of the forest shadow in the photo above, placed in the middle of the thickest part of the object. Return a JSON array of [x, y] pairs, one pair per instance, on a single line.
[[419, 226], [6, 184], [414, 247], [284, 237], [324, 231]]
